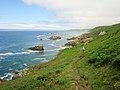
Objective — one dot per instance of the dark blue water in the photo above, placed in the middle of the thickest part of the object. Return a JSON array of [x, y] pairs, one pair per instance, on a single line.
[[14, 53]]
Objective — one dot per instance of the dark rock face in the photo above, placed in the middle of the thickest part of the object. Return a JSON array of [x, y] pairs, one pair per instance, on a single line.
[[54, 37], [37, 48]]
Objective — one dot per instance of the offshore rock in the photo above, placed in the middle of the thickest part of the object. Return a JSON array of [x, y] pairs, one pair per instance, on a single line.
[[37, 48], [54, 37]]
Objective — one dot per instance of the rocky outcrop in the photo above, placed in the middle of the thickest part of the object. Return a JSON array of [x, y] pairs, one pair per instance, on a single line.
[[73, 42], [54, 37], [16, 76], [85, 38], [102, 33], [22, 73], [2, 80], [71, 38], [37, 48]]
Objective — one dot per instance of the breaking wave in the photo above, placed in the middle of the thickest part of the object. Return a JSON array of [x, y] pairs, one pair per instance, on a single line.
[[17, 53], [7, 76]]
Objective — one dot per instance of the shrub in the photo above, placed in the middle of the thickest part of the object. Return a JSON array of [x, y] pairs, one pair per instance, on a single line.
[[116, 62], [106, 53]]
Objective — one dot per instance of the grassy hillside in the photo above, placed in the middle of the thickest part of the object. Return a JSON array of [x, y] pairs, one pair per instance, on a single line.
[[97, 70]]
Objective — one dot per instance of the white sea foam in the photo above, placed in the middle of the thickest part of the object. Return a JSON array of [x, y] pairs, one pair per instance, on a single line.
[[61, 48], [7, 76], [22, 53], [17, 53], [4, 54], [45, 60], [24, 64], [11, 54], [40, 36], [36, 59], [60, 39], [15, 63], [31, 51], [53, 44]]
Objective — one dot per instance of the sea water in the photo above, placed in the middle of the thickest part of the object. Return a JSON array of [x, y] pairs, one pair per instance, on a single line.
[[14, 53]]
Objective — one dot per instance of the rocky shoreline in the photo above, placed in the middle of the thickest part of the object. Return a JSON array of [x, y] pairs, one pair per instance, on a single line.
[[22, 73], [85, 38], [82, 39]]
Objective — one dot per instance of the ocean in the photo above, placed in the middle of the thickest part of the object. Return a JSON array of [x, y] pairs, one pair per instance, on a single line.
[[14, 53]]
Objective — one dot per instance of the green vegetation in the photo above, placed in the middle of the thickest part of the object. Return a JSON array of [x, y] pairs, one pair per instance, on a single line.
[[97, 70]]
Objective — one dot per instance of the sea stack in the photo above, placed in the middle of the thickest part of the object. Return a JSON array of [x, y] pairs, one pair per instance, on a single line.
[[37, 48]]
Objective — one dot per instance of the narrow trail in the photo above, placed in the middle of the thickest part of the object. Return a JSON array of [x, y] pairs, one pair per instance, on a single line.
[[79, 85]]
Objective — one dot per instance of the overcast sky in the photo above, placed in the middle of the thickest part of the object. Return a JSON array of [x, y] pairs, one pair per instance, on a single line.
[[58, 14]]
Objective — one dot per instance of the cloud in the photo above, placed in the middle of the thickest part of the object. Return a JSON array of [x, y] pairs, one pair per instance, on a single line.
[[33, 26], [81, 13]]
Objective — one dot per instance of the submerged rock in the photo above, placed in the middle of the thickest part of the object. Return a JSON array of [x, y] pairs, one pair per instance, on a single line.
[[37, 48], [54, 37], [40, 39]]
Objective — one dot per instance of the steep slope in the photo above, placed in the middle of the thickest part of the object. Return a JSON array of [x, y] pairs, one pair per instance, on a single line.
[[102, 60], [97, 70]]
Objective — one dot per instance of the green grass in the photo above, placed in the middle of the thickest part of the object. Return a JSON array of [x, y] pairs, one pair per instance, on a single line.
[[99, 69], [102, 60]]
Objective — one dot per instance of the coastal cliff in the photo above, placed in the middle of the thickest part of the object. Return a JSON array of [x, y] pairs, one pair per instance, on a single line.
[[95, 69]]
